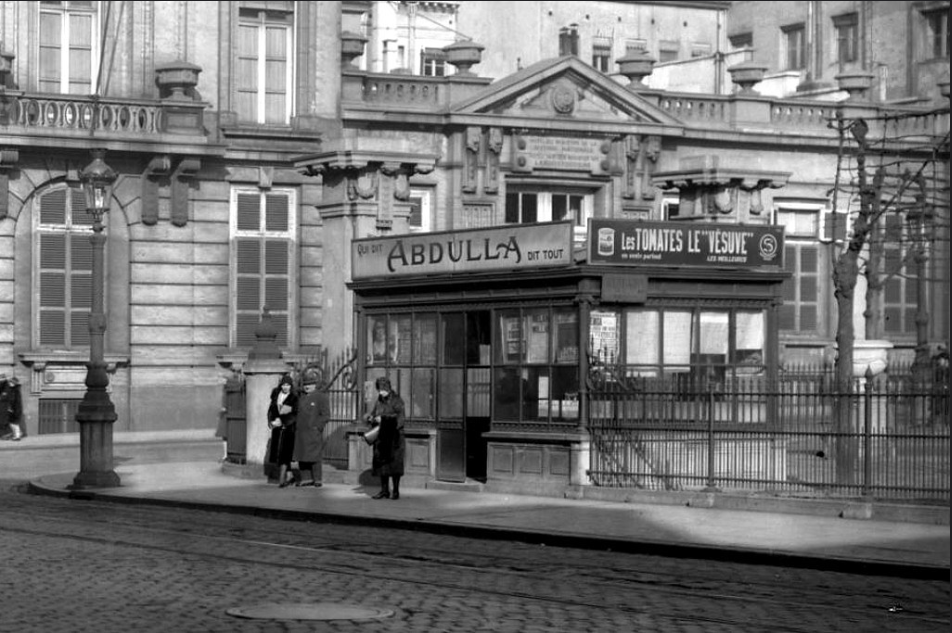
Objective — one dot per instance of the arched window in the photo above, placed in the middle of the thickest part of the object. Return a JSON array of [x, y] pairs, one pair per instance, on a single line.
[[63, 260]]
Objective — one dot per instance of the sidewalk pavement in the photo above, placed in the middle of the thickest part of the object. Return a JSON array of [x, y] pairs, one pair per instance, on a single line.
[[902, 548]]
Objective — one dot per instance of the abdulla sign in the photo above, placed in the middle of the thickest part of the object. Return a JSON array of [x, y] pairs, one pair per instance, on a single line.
[[684, 244], [513, 247]]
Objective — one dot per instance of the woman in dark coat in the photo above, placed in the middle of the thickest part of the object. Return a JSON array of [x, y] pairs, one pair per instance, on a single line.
[[282, 417], [390, 446], [314, 412]]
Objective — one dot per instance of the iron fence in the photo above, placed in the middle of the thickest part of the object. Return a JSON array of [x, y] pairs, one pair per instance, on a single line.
[[885, 438]]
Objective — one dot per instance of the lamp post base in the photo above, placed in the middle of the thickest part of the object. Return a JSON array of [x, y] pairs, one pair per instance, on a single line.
[[96, 416], [92, 479]]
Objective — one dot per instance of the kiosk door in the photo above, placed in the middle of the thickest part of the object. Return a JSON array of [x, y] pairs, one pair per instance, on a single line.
[[463, 384]]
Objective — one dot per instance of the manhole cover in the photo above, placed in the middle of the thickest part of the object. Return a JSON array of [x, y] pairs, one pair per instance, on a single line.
[[309, 611]]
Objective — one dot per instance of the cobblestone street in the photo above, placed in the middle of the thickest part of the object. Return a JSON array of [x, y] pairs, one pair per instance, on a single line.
[[72, 565]]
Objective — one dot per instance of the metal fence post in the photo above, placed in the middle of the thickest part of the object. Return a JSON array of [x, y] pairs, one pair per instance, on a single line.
[[710, 441], [867, 386]]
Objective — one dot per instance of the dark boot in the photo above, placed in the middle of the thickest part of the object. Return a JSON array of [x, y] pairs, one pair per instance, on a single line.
[[384, 488], [396, 487]]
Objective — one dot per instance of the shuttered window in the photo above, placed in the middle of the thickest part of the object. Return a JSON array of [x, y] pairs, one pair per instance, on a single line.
[[65, 269], [801, 291], [262, 262], [899, 272]]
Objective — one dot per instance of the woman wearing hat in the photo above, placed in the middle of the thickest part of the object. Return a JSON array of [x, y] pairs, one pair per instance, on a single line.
[[11, 408], [390, 446], [314, 411], [282, 417]]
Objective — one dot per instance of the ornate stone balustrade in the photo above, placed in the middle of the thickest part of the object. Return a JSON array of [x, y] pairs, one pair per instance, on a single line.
[[794, 114], [122, 119], [83, 113], [404, 90], [697, 109]]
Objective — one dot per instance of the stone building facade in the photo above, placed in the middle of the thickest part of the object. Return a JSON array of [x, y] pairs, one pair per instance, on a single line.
[[255, 149]]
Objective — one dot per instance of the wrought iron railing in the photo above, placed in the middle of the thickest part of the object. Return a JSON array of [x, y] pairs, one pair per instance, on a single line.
[[781, 437]]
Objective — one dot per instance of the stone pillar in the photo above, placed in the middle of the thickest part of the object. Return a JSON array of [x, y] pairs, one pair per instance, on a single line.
[[262, 373]]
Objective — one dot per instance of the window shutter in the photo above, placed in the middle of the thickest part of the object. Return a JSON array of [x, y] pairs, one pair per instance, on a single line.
[[248, 297], [808, 318], [834, 225], [276, 212], [787, 317], [53, 207], [249, 212], [248, 291], [77, 204], [52, 285], [277, 290]]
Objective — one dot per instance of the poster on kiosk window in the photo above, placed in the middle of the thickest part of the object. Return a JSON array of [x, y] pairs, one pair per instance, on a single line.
[[631, 242]]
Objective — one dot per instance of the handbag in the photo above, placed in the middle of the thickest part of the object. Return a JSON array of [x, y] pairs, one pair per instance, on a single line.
[[371, 436]]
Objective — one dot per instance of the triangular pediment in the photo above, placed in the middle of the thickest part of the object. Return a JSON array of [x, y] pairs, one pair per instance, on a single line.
[[563, 88]]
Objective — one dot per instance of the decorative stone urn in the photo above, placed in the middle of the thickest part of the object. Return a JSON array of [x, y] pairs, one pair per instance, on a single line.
[[855, 83], [176, 79], [746, 75], [870, 356], [464, 55], [351, 47], [636, 66]]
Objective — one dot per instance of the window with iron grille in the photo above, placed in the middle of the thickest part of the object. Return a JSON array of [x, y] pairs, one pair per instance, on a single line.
[[58, 415], [64, 262], [478, 215], [265, 63], [262, 263], [68, 55]]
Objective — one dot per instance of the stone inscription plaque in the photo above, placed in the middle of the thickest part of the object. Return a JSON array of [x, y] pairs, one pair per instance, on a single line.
[[575, 154]]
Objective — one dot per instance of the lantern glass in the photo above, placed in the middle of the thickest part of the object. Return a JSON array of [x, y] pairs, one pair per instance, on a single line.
[[97, 178]]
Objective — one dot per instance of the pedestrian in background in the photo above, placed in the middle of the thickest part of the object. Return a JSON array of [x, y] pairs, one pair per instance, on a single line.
[[11, 409], [282, 417], [314, 412], [390, 445]]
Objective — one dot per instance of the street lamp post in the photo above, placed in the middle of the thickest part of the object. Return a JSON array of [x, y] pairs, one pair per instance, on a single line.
[[96, 412]]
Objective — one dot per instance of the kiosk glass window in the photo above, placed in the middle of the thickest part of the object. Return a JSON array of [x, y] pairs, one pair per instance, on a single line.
[[536, 354], [712, 343], [404, 348], [423, 375], [749, 338], [377, 340]]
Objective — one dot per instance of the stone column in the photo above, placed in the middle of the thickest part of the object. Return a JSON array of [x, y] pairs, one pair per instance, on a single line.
[[262, 373]]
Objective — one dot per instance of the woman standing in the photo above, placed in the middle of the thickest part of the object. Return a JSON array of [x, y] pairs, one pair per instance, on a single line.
[[282, 417], [390, 446]]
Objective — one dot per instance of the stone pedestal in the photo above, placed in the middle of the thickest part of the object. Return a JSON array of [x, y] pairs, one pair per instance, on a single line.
[[260, 378]]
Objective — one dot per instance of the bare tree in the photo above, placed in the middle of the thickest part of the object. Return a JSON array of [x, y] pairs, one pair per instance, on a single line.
[[897, 191]]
